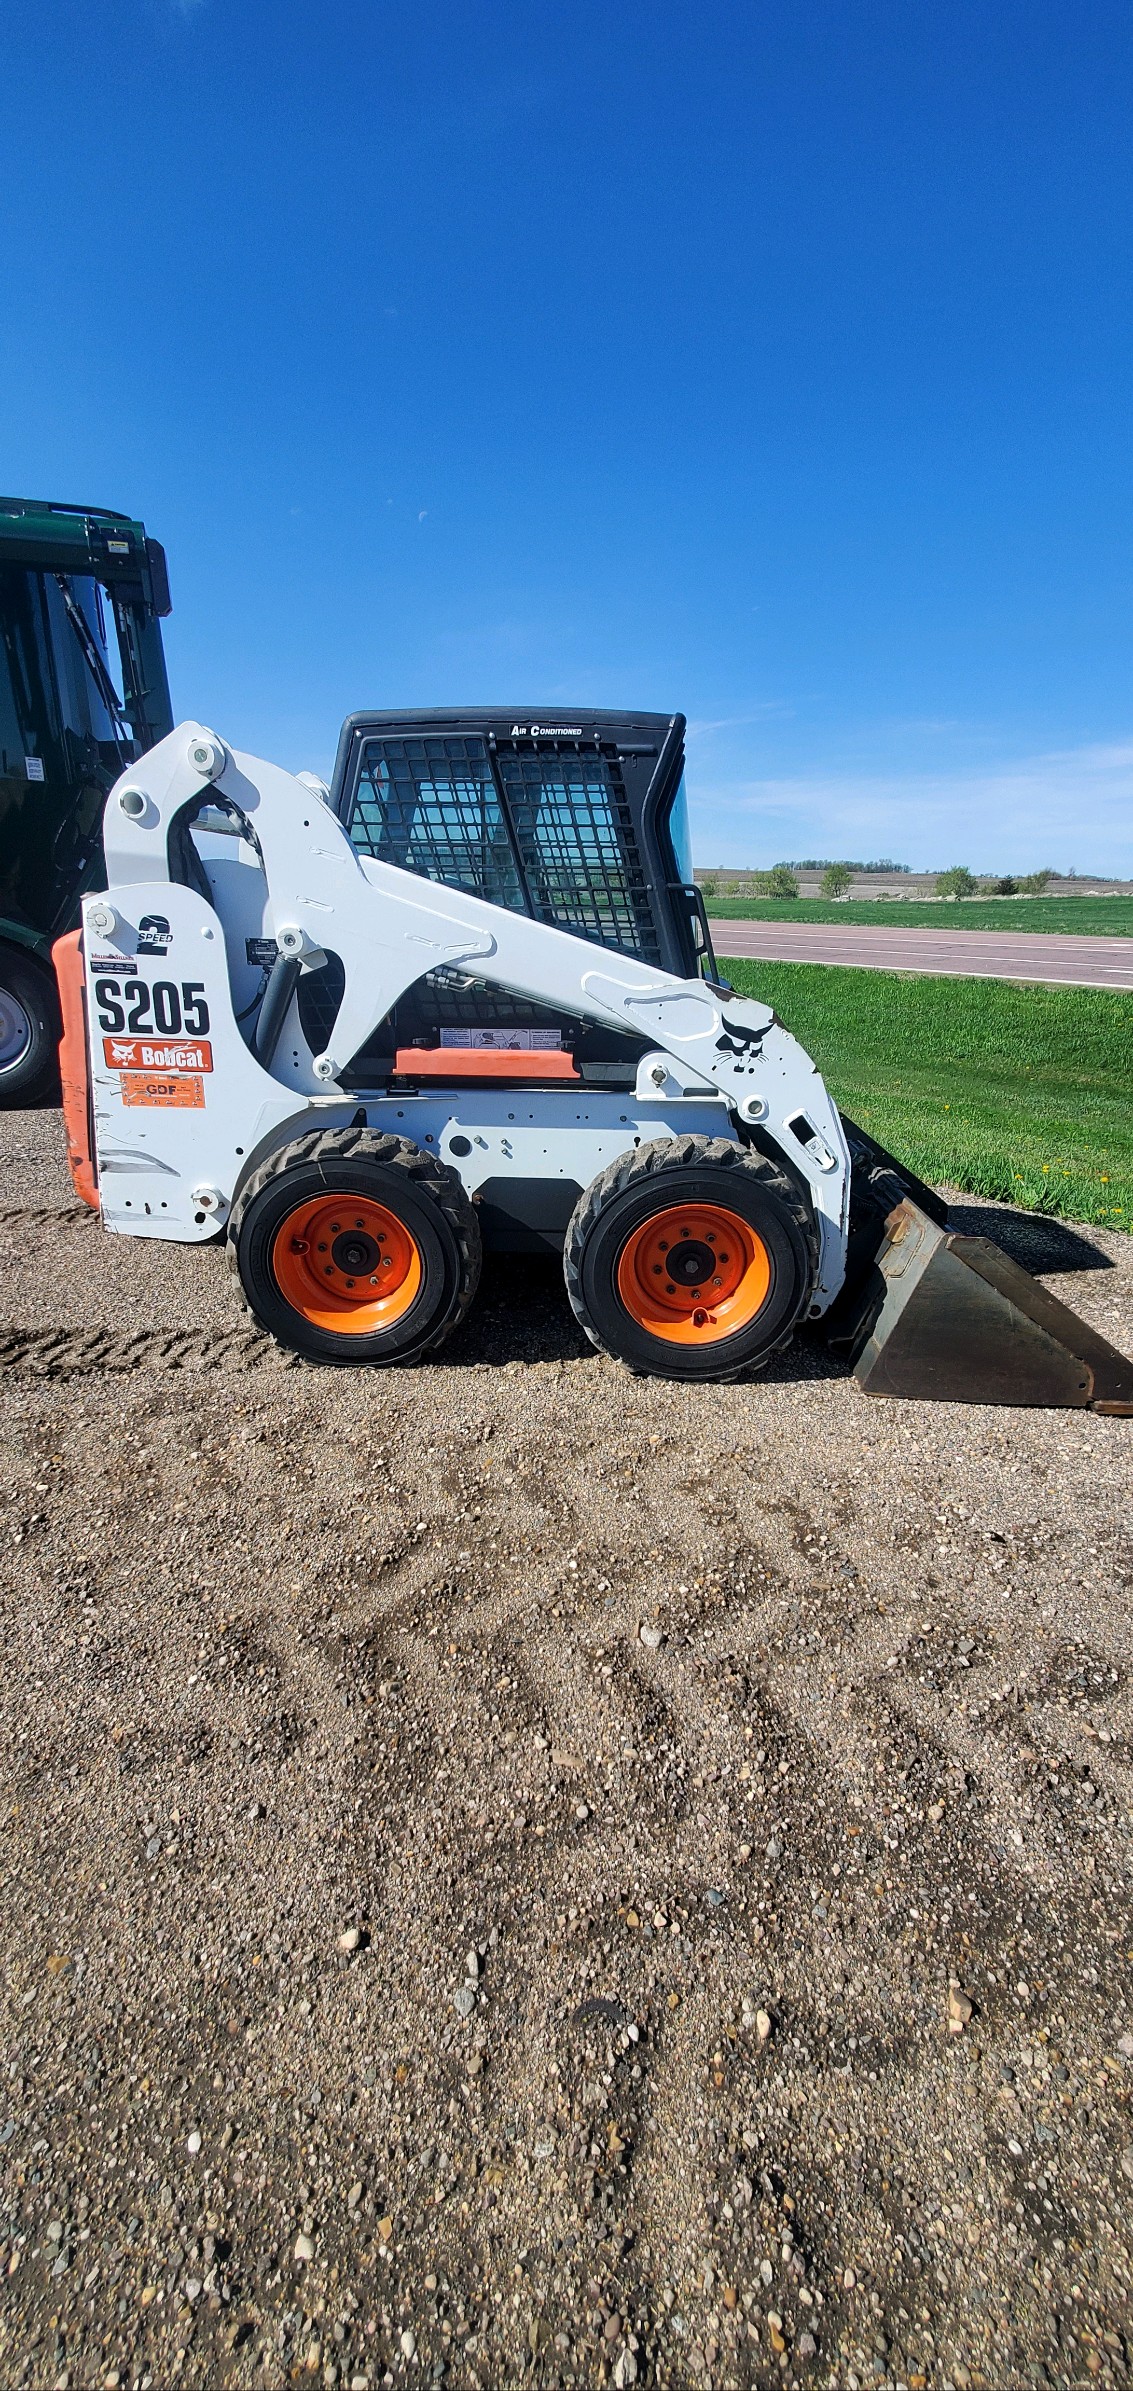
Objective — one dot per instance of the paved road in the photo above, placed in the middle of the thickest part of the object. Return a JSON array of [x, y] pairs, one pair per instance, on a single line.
[[969, 954]]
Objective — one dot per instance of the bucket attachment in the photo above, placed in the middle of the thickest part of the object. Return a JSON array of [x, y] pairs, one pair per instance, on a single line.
[[953, 1320]]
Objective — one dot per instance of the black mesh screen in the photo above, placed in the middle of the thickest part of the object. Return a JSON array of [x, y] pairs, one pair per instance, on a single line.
[[448, 999], [575, 835], [542, 827], [432, 806]]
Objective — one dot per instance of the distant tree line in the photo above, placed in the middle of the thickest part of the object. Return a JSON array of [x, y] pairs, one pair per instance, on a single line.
[[834, 863], [837, 879]]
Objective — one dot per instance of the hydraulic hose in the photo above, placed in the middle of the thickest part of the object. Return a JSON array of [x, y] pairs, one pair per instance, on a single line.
[[277, 996]]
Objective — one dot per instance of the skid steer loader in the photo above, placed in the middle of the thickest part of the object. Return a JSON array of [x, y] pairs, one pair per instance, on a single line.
[[465, 997]]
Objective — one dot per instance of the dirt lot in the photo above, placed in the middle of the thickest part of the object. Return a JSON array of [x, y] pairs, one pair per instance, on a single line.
[[412, 1974]]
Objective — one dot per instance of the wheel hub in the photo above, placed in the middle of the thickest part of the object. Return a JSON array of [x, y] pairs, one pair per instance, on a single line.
[[15, 1030], [347, 1264], [692, 1274], [354, 1253], [690, 1263]]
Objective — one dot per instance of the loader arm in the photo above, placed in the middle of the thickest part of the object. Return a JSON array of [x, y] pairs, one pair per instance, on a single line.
[[388, 928]]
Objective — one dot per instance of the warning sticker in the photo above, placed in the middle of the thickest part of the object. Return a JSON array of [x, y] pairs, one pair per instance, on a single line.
[[167, 1054], [185, 1090]]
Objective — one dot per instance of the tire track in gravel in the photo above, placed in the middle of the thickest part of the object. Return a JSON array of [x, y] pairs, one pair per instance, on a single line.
[[128, 1278], [40, 1216], [673, 2173], [67, 1352]]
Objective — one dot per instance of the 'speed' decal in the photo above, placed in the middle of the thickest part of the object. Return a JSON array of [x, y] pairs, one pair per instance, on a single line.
[[145, 1054], [185, 1089]]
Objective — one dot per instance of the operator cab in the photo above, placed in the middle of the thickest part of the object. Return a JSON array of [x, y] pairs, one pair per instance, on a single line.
[[573, 817]]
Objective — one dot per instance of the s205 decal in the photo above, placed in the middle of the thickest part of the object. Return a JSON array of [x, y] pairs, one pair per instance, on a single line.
[[167, 1007]]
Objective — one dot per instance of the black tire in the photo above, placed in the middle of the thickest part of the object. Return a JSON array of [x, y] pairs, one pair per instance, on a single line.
[[426, 1198], [674, 1172], [29, 1031]]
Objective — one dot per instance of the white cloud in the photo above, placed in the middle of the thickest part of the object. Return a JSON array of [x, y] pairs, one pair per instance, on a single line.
[[1069, 809]]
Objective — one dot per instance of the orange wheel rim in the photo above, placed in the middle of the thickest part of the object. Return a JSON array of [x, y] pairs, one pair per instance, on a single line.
[[693, 1274], [347, 1264]]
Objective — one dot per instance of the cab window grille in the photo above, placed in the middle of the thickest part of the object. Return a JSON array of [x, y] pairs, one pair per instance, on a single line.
[[575, 834], [432, 806], [543, 828]]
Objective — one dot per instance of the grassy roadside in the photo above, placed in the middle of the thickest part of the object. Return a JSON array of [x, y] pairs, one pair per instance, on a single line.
[[1018, 1092], [1080, 917]]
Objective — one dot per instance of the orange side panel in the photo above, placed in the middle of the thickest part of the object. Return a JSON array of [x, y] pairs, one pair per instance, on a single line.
[[74, 1070], [483, 1062]]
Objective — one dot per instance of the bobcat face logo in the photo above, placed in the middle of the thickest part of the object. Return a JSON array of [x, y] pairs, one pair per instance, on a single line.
[[154, 934], [122, 1052]]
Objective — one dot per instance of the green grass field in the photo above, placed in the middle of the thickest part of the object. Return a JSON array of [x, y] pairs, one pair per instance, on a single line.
[[1018, 1092], [1081, 917]]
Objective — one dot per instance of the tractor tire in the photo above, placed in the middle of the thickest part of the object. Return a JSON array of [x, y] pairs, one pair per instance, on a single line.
[[29, 1031], [317, 1228], [691, 1258]]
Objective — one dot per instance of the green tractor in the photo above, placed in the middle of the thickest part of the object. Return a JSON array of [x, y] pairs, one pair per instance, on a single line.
[[68, 727]]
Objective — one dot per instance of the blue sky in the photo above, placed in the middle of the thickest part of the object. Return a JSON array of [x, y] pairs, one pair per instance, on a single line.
[[769, 361]]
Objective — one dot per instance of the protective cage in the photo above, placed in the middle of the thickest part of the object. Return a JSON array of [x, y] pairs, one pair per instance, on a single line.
[[576, 818]]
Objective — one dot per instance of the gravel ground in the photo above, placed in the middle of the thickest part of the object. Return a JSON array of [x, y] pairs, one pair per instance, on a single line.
[[515, 1872]]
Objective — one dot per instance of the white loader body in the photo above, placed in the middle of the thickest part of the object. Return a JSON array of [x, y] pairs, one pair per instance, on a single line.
[[184, 1111], [235, 1013]]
